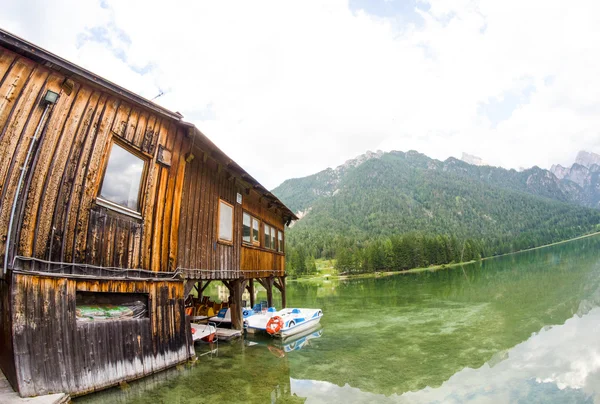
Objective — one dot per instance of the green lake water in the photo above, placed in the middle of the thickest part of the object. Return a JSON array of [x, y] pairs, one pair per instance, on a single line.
[[519, 328]]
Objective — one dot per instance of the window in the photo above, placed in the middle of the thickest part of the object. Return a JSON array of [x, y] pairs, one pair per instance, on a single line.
[[250, 226], [267, 235], [273, 238], [122, 178], [225, 222], [255, 232], [279, 241], [246, 228], [270, 237]]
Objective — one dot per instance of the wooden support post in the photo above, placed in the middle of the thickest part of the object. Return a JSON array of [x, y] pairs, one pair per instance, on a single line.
[[236, 304], [244, 284], [200, 288], [269, 287], [267, 283], [251, 291], [281, 287]]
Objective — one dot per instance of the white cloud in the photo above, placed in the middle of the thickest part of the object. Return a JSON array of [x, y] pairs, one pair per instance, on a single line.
[[293, 87]]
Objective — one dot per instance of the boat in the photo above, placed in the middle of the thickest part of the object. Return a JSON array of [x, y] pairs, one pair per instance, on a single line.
[[224, 316], [203, 332], [283, 323]]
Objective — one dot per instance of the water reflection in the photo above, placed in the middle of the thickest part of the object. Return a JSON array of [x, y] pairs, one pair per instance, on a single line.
[[281, 347], [521, 328], [559, 364]]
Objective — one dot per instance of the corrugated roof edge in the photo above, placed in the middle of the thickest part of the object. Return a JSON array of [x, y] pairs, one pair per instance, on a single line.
[[38, 54]]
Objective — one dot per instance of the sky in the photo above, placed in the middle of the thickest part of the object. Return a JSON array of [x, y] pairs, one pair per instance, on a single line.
[[289, 88]]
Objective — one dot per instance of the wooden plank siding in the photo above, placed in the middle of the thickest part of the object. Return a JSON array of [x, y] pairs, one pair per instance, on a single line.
[[54, 352], [57, 206], [57, 219], [200, 253], [258, 262]]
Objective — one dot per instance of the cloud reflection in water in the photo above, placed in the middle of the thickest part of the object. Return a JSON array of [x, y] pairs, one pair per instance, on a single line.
[[559, 364]]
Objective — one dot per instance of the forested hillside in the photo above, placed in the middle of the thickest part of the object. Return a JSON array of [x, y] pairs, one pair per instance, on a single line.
[[402, 210]]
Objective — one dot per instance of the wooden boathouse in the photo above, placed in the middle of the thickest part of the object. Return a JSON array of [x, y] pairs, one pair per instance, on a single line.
[[113, 204]]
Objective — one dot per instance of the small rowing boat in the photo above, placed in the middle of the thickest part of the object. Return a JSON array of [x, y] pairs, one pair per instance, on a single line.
[[203, 332]]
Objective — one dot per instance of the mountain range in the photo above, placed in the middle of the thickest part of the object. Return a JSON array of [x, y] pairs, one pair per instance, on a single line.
[[381, 195]]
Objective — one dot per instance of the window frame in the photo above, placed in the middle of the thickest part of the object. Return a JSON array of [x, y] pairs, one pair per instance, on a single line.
[[264, 236], [280, 241], [252, 242], [244, 214], [272, 236], [138, 214], [219, 239], [253, 230]]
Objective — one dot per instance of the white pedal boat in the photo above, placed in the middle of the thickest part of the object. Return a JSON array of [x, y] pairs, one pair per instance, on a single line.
[[224, 316], [283, 323], [203, 332]]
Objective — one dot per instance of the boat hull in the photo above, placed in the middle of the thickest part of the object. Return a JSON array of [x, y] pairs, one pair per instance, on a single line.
[[298, 328], [296, 321], [203, 332]]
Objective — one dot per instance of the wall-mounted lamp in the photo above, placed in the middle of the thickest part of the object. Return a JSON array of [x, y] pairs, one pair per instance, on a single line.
[[51, 97]]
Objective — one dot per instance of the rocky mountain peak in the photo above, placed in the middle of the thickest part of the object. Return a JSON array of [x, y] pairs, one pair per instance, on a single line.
[[559, 171], [587, 159], [474, 160], [355, 162]]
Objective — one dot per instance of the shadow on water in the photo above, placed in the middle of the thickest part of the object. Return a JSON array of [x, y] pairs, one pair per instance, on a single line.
[[515, 328]]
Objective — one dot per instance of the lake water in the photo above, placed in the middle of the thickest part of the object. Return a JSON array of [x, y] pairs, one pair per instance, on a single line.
[[520, 328]]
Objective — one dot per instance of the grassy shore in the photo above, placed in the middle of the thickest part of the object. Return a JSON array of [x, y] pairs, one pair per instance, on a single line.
[[326, 268]]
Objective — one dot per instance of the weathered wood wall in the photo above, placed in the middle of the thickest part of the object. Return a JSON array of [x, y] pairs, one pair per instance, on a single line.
[[57, 205], [204, 184], [7, 362], [57, 219], [258, 262], [55, 353]]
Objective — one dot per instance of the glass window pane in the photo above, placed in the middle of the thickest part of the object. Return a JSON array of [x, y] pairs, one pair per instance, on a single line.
[[273, 238], [255, 231], [225, 221], [246, 228], [122, 178], [267, 237], [280, 241]]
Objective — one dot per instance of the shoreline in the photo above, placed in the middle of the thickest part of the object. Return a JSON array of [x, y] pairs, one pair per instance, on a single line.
[[433, 267]]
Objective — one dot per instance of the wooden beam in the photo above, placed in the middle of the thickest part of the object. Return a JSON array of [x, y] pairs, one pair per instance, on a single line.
[[282, 290], [202, 288], [262, 283], [236, 304], [228, 285], [187, 288], [269, 287], [250, 288], [277, 285]]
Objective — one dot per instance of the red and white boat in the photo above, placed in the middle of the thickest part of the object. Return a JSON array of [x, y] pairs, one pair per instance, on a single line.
[[203, 332]]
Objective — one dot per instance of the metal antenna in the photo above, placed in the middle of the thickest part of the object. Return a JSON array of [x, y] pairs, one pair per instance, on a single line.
[[160, 93]]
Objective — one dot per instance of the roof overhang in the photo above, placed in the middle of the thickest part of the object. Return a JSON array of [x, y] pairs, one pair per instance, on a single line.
[[68, 69]]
